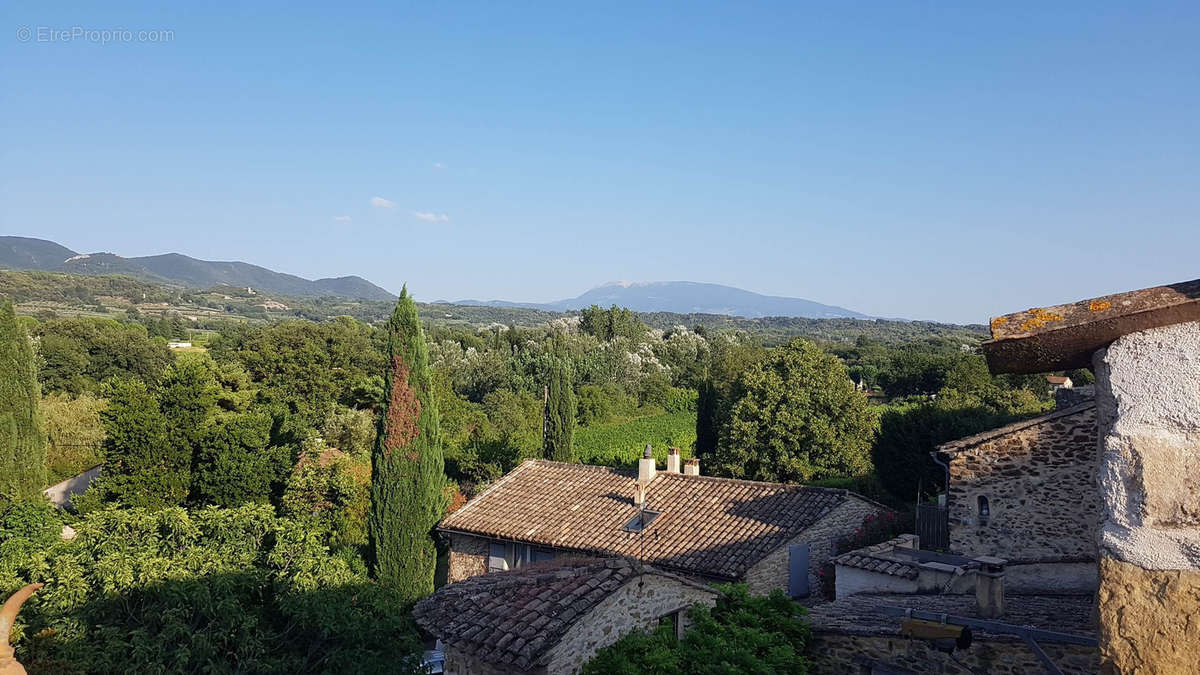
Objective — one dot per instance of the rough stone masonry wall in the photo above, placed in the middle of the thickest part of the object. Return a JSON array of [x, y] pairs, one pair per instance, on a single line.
[[773, 571], [632, 607], [468, 557], [1148, 398], [1040, 483], [851, 654]]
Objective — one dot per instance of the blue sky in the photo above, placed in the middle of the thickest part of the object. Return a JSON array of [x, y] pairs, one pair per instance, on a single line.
[[899, 159]]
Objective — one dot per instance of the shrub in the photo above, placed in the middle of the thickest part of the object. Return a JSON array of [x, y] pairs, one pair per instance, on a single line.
[[741, 634], [211, 590]]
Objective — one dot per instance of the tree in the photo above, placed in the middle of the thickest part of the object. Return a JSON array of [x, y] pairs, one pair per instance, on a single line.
[[234, 464], [560, 415], [907, 434], [728, 357], [407, 478], [796, 417], [187, 397], [22, 445], [141, 468]]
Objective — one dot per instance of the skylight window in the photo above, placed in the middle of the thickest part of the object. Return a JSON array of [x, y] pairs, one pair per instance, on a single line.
[[641, 521]]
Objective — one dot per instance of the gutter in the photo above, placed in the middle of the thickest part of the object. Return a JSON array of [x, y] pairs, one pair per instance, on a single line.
[[935, 454]]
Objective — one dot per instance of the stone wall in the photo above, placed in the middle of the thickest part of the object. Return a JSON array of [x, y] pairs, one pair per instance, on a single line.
[[1148, 397], [1041, 490], [773, 571], [842, 654], [851, 580], [638, 605], [468, 557]]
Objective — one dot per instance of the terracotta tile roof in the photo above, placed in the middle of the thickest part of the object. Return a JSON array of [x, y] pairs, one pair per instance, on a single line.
[[972, 441], [715, 527], [860, 614], [1057, 379], [515, 618], [879, 558]]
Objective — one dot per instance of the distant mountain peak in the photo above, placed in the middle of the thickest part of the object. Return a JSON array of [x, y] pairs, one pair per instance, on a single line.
[[687, 297]]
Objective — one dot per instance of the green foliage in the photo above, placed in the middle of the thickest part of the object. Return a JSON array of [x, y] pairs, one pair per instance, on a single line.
[[598, 404], [612, 323], [22, 443], [187, 396], [909, 432], [74, 434], [741, 634], [407, 481], [621, 443], [234, 464], [306, 367], [141, 468], [78, 355], [795, 417], [351, 430], [560, 416], [213, 590], [728, 357], [335, 490]]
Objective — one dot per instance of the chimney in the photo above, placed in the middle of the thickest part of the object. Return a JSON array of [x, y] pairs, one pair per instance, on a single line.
[[691, 467], [673, 460], [646, 470], [989, 587]]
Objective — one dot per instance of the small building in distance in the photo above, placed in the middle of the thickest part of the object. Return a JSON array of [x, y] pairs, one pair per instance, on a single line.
[[1057, 382], [768, 535], [553, 617]]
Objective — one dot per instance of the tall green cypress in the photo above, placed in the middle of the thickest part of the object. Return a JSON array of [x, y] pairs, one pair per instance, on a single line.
[[22, 445], [407, 482], [560, 416]]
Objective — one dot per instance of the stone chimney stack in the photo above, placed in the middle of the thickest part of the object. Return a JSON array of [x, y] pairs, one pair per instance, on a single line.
[[646, 472], [989, 587], [673, 460], [691, 467]]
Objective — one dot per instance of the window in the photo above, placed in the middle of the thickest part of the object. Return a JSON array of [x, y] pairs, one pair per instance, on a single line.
[[985, 511], [508, 555], [641, 521]]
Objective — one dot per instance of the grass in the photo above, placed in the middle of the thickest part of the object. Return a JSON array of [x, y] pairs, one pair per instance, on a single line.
[[621, 443]]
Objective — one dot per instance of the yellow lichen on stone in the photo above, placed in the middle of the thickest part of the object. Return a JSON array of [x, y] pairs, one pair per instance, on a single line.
[[1099, 305], [1039, 318]]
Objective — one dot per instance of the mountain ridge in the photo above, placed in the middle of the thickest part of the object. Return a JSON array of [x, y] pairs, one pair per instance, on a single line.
[[685, 297], [24, 253]]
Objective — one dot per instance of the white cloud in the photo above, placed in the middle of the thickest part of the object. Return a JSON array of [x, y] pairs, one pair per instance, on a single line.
[[381, 203], [439, 165], [431, 217], [341, 219]]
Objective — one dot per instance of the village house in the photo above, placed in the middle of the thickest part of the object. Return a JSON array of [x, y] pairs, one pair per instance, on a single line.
[[1027, 493], [768, 535], [552, 617], [1056, 382]]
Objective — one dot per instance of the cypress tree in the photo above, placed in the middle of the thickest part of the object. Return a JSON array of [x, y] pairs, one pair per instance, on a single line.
[[22, 445], [406, 466], [560, 415]]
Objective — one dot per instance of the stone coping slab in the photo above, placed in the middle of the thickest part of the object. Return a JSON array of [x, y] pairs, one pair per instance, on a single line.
[[1065, 336]]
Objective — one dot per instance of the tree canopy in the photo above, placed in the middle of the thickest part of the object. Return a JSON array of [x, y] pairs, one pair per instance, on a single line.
[[796, 417]]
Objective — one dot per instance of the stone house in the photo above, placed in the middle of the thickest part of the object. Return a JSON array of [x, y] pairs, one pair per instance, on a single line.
[[1027, 492], [1144, 348], [768, 535], [552, 617]]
